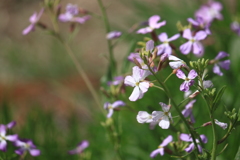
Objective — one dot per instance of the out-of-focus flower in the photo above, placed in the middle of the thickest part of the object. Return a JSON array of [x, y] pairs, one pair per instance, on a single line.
[[175, 62], [188, 80], [193, 43], [187, 112], [210, 11], [152, 24], [221, 124], [116, 80], [80, 147], [223, 64], [33, 20], [144, 117], [160, 149], [188, 138], [165, 47], [71, 15], [4, 138], [163, 117], [137, 81], [26, 145], [113, 34], [199, 22], [110, 107], [235, 26], [10, 124]]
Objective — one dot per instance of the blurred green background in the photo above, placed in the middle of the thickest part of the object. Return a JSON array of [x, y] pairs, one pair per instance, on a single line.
[[41, 89]]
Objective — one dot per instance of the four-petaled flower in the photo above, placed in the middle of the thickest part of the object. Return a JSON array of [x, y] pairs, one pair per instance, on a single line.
[[223, 64], [152, 24], [187, 112], [71, 13], [33, 20], [26, 145], [199, 22], [165, 47], [188, 80], [163, 117], [80, 147], [137, 81], [188, 138], [4, 138], [160, 149], [193, 42], [113, 34], [110, 107]]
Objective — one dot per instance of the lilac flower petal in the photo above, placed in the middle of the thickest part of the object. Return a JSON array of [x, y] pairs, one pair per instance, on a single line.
[[135, 94], [153, 20], [180, 74], [136, 73], [84, 144], [113, 34], [186, 112], [166, 141], [174, 58], [118, 103], [12, 137], [216, 5], [190, 104], [11, 124], [203, 138], [2, 130], [72, 9], [216, 70], [192, 74], [199, 148], [81, 20], [161, 151], [163, 37], [3, 145], [144, 30], [200, 35], [144, 117], [184, 86], [110, 113], [176, 36], [225, 64], [165, 107], [168, 49], [221, 55], [186, 47], [197, 48], [33, 17], [158, 25], [192, 118], [155, 153], [190, 148], [221, 124], [34, 152], [28, 29], [129, 80], [161, 49], [156, 115], [193, 22], [19, 151], [105, 106], [187, 34], [150, 45], [185, 137], [144, 86], [164, 123], [65, 17]]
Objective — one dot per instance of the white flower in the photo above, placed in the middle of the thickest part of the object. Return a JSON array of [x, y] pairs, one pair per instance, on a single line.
[[176, 62], [163, 117], [137, 81], [144, 117]]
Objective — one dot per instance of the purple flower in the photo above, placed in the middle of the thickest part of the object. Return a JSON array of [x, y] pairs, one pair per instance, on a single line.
[[175, 62], [152, 24], [160, 149], [188, 80], [187, 112], [210, 11], [26, 145], [235, 26], [137, 81], [188, 138], [70, 15], [165, 47], [33, 20], [199, 22], [80, 147], [163, 117], [221, 124], [223, 64], [193, 42], [117, 80], [4, 137], [110, 107], [113, 35], [10, 125]]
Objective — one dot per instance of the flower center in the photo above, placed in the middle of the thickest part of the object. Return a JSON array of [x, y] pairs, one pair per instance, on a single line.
[[192, 40], [160, 147], [110, 107]]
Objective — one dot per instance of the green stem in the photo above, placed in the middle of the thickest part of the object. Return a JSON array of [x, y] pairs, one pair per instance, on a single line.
[[176, 108], [168, 77], [112, 63], [158, 87]]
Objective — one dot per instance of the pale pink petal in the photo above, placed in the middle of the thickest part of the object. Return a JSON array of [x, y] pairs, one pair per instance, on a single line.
[[163, 37], [155, 153], [135, 94], [28, 29], [144, 117], [34, 152], [186, 47], [3, 145], [153, 20], [130, 81], [158, 25], [144, 86], [187, 34], [12, 137], [176, 36], [200, 35], [144, 30], [136, 73], [110, 113]]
